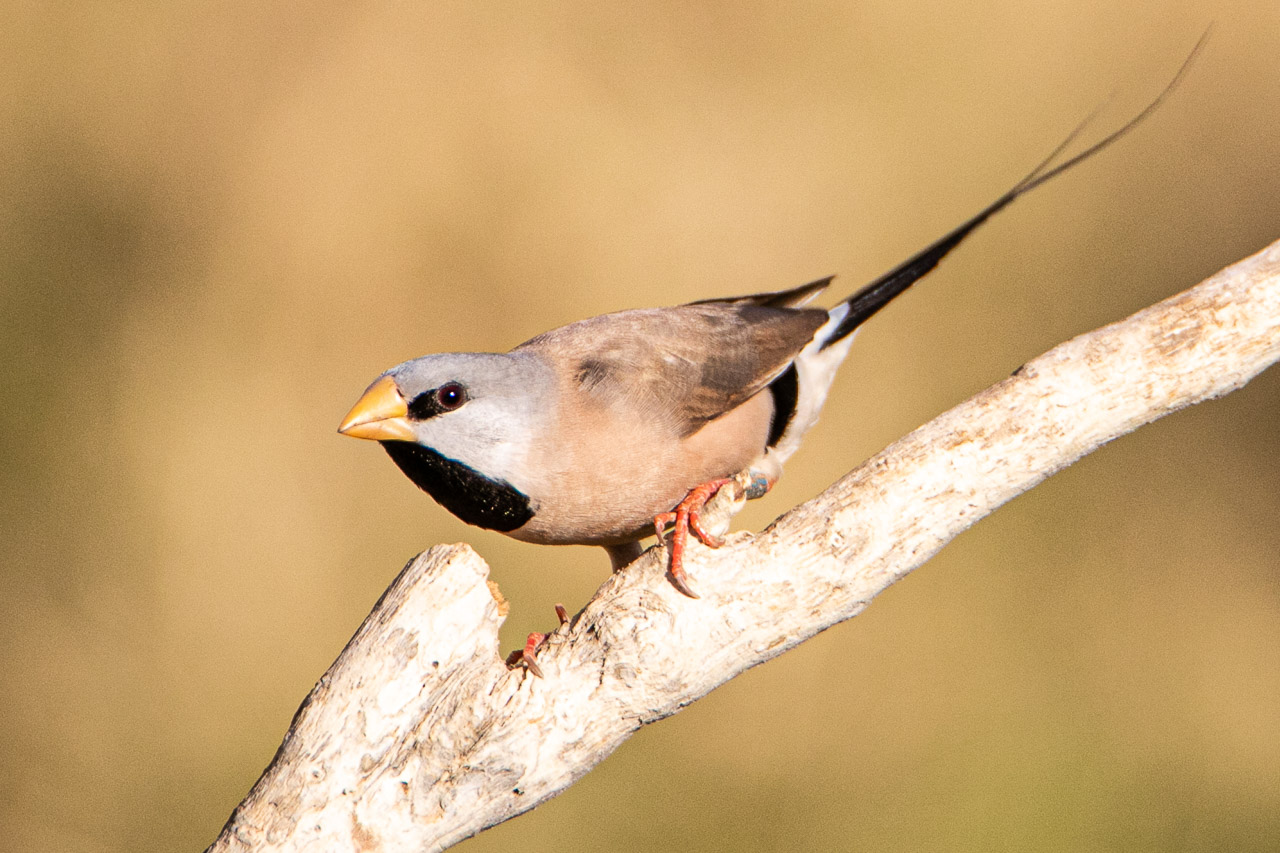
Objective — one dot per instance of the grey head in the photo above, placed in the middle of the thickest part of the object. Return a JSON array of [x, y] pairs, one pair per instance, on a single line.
[[461, 426]]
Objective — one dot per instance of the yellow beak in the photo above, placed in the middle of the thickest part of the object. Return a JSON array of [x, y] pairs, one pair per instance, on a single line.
[[380, 415]]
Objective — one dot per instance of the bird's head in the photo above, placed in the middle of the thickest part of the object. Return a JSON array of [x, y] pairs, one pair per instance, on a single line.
[[481, 410]]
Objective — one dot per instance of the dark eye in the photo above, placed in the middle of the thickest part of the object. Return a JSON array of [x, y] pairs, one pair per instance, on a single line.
[[437, 401], [451, 396]]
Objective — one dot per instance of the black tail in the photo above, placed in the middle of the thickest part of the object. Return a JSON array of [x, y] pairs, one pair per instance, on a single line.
[[879, 293]]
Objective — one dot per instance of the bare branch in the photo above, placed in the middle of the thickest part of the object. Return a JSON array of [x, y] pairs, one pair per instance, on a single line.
[[418, 736]]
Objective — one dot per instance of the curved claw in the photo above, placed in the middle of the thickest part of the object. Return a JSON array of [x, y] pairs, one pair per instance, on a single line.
[[681, 583], [685, 517], [708, 539], [528, 656]]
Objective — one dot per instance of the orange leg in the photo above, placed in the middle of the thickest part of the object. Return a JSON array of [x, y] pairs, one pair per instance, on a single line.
[[686, 516], [528, 656]]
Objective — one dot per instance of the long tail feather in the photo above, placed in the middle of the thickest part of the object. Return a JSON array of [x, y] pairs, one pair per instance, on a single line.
[[879, 293]]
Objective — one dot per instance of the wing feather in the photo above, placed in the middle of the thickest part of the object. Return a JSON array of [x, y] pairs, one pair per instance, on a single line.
[[686, 365]]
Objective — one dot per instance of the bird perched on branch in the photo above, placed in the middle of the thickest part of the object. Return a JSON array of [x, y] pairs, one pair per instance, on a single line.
[[605, 431]]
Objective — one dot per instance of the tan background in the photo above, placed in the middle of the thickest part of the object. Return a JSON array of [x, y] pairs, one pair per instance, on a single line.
[[219, 222]]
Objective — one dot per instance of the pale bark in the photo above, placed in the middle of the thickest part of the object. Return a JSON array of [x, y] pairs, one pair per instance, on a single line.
[[418, 736]]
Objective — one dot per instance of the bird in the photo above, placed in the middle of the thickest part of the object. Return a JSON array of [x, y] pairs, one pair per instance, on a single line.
[[607, 430]]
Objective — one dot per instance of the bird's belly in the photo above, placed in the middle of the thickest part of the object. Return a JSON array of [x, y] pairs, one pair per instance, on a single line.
[[608, 495]]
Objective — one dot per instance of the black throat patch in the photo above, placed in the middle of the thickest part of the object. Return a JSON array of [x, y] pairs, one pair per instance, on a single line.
[[464, 491]]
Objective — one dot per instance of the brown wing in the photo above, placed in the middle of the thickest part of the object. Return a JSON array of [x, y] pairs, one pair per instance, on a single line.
[[685, 365]]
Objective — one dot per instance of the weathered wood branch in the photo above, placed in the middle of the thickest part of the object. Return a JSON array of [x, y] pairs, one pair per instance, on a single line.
[[418, 736]]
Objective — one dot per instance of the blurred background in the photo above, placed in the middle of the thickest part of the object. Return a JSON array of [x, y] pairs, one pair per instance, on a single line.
[[219, 222]]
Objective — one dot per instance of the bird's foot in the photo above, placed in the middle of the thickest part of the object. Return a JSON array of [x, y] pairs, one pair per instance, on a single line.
[[528, 656], [686, 517]]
